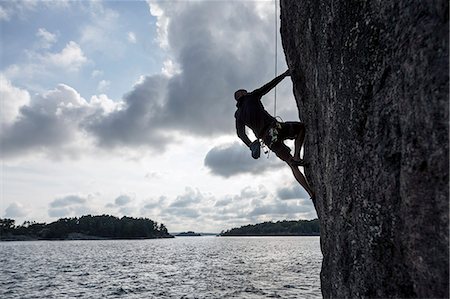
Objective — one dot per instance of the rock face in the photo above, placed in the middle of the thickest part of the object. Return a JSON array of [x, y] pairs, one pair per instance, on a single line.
[[371, 83]]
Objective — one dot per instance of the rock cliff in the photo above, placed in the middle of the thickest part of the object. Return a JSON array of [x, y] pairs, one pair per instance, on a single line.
[[371, 83]]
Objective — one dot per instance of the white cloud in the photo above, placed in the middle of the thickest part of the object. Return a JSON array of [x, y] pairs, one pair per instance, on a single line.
[[104, 104], [70, 58], [47, 39], [162, 23], [4, 14], [170, 68], [100, 34], [103, 85], [131, 36], [12, 98], [16, 210], [96, 73], [10, 9]]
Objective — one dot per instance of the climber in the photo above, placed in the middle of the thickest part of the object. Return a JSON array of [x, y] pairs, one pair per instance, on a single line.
[[250, 112]]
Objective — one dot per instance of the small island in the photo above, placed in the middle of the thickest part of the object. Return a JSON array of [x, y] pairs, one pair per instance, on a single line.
[[188, 234], [279, 228], [87, 227]]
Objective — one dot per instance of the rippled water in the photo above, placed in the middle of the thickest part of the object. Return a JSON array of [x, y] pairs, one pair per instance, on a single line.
[[189, 267]]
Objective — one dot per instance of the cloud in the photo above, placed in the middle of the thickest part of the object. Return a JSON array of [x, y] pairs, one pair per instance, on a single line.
[[43, 63], [280, 208], [170, 68], [137, 123], [51, 122], [189, 198], [213, 49], [70, 205], [70, 58], [16, 210], [131, 36], [223, 202], [12, 99], [10, 9], [100, 34], [47, 39], [67, 201], [123, 200], [293, 191], [232, 159], [103, 85], [4, 15], [153, 204], [96, 73]]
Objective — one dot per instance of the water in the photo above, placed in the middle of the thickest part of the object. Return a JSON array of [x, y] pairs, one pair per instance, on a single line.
[[184, 267]]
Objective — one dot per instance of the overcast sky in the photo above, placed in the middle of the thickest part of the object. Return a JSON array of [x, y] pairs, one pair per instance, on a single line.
[[126, 108]]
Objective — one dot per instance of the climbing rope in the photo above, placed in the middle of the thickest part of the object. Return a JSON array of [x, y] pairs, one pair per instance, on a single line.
[[276, 56], [266, 149]]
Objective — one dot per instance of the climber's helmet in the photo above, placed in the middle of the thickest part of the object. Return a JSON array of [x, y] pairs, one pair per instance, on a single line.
[[239, 93]]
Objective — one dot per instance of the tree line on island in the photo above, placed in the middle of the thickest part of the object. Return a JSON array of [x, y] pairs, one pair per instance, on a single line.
[[279, 228], [85, 227], [110, 227]]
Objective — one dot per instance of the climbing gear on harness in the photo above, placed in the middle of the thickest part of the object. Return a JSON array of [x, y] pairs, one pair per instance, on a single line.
[[272, 133], [255, 147]]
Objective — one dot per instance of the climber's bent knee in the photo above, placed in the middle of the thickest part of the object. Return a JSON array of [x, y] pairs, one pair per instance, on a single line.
[[291, 129]]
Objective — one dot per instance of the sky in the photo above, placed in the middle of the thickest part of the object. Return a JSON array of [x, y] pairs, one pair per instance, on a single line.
[[127, 108]]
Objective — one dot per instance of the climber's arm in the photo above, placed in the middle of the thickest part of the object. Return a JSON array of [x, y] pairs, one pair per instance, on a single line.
[[267, 87], [240, 130]]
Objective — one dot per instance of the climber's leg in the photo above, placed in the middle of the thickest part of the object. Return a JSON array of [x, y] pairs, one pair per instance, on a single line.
[[294, 130], [299, 141], [283, 152]]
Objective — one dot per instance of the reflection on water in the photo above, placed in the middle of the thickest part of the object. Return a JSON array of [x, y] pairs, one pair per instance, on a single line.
[[189, 267]]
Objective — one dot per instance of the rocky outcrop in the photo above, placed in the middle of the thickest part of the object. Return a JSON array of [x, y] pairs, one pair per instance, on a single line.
[[371, 83]]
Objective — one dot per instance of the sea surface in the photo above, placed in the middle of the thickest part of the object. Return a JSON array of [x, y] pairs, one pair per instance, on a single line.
[[184, 267]]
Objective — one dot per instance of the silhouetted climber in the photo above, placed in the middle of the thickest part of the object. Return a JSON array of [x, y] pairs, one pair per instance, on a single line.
[[250, 112]]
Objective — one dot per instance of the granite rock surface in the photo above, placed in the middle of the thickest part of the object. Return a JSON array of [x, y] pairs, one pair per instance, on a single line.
[[371, 83]]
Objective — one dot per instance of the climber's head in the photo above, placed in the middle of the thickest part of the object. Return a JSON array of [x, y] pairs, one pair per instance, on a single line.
[[239, 93]]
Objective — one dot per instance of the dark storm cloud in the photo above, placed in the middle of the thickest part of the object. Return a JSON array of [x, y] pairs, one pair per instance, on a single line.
[[292, 192], [233, 159]]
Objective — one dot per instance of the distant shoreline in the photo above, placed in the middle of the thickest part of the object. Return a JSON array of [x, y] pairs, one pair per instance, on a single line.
[[78, 237], [272, 235]]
